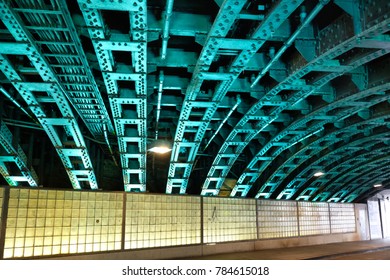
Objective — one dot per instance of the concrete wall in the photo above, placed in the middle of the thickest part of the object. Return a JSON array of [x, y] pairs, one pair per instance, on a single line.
[[362, 223], [385, 217], [379, 215]]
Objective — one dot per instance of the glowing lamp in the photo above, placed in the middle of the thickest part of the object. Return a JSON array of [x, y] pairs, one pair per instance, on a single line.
[[319, 174], [160, 147]]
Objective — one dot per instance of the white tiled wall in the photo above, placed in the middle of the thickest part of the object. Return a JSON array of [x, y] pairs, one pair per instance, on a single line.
[[51, 222], [277, 219], [228, 219], [161, 220], [48, 222], [342, 217], [313, 218]]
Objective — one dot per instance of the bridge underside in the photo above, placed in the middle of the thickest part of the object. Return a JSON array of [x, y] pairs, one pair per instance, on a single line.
[[264, 99]]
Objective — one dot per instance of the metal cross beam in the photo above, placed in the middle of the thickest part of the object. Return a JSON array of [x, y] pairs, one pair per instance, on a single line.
[[62, 50], [306, 167], [15, 155], [129, 106], [302, 129], [326, 54], [187, 141], [62, 128]]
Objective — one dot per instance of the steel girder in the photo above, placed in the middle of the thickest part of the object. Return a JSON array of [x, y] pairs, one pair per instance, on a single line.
[[190, 130], [362, 179], [338, 168], [324, 62], [331, 148], [61, 125], [51, 28], [353, 174], [323, 146], [365, 184], [300, 67], [14, 154], [302, 130], [129, 107]]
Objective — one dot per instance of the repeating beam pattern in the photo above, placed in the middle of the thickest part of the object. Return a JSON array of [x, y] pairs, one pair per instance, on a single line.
[[128, 104], [254, 98], [53, 31], [190, 130], [289, 94], [16, 156], [58, 121]]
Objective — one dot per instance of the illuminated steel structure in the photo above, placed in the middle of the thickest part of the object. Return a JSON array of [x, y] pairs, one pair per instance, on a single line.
[[61, 125], [261, 93]]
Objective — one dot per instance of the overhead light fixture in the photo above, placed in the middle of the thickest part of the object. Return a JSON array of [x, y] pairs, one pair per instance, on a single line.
[[160, 147], [377, 185], [160, 150], [319, 174]]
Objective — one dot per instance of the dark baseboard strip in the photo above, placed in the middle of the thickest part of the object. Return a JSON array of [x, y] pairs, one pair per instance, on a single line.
[[350, 253]]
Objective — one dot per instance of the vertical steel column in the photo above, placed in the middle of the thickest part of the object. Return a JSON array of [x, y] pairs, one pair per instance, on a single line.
[[123, 221], [330, 220], [381, 217], [257, 219], [299, 227], [354, 212], [201, 223], [3, 224]]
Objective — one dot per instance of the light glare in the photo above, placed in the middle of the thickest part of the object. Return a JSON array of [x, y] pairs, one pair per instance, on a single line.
[[377, 185], [160, 150], [319, 174]]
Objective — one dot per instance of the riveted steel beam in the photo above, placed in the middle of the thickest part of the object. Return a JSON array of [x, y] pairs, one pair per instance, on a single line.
[[128, 103], [316, 147], [60, 129], [308, 187], [62, 50], [52, 88], [306, 167], [362, 179], [326, 56], [300, 130], [15, 155], [228, 14], [339, 171]]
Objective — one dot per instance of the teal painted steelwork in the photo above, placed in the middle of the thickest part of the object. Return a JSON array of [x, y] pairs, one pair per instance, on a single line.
[[63, 52], [262, 94], [18, 157], [184, 150], [236, 148], [329, 155], [81, 174], [131, 123], [302, 131]]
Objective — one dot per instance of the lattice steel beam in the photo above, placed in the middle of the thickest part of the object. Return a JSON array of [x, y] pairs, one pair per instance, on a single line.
[[300, 130], [187, 142], [15, 155], [328, 156], [129, 107], [364, 180], [62, 50], [337, 171], [62, 129], [323, 62]]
